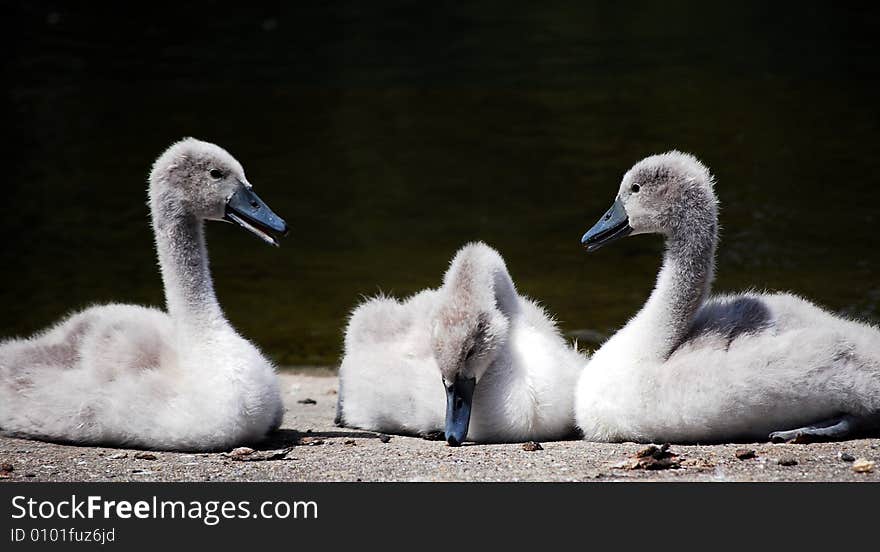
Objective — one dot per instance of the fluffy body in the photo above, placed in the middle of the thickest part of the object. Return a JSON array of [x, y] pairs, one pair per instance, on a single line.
[[124, 375], [392, 374], [690, 368]]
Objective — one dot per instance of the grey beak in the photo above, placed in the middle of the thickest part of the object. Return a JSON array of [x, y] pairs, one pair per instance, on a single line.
[[613, 225], [459, 397], [246, 209]]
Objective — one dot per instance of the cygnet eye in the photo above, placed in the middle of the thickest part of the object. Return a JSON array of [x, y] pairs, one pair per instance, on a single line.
[[635, 188], [216, 174]]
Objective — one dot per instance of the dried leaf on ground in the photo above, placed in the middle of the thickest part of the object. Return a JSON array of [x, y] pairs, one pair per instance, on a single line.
[[246, 454], [651, 458]]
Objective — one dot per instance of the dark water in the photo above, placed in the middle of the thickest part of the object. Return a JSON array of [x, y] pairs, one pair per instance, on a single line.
[[389, 135]]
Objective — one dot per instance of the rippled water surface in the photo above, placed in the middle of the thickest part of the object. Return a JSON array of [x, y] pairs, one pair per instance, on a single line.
[[389, 136]]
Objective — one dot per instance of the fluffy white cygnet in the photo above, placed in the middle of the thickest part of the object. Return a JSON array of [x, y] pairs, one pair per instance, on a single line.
[[472, 359], [130, 376], [693, 368]]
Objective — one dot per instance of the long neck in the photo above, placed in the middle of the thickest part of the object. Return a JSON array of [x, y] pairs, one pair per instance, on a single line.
[[683, 284], [183, 258], [483, 278], [505, 291]]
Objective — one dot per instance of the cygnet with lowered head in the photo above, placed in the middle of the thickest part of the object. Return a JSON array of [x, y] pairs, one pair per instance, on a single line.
[[471, 360], [693, 368], [131, 376]]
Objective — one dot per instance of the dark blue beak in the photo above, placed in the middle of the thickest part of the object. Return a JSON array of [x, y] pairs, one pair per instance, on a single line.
[[246, 209], [459, 396], [613, 225]]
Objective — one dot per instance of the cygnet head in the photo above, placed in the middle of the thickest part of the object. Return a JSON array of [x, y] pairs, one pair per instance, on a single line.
[[469, 328], [670, 194], [202, 180]]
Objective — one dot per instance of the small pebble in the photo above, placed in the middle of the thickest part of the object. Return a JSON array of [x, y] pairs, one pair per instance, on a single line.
[[787, 461], [863, 465], [532, 446], [846, 457], [349, 442], [118, 456], [308, 401], [240, 452], [744, 454], [384, 438], [145, 456], [6, 466]]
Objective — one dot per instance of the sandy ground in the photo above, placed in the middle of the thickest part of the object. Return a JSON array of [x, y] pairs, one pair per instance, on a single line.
[[322, 452]]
